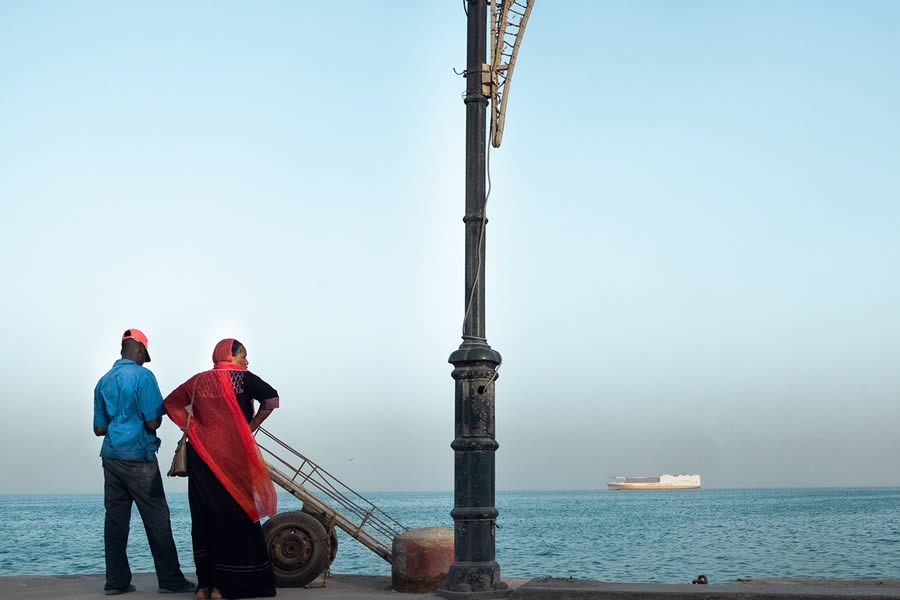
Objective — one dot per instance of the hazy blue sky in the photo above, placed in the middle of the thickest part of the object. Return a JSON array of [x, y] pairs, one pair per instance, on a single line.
[[692, 253]]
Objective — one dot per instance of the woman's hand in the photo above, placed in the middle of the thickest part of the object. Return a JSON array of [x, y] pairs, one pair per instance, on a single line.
[[260, 416]]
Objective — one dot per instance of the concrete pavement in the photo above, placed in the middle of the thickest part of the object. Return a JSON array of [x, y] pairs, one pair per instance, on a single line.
[[549, 588], [90, 587], [84, 587], [358, 587]]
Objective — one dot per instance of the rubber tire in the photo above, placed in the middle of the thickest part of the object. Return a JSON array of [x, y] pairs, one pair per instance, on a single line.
[[332, 546], [332, 537], [298, 548]]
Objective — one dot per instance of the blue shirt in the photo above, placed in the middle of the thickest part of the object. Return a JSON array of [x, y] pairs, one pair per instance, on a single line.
[[124, 398]]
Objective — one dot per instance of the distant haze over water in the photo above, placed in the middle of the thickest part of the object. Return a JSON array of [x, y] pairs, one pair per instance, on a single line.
[[691, 257]]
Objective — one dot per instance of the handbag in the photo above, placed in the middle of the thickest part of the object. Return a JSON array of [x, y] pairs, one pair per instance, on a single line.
[[179, 466]]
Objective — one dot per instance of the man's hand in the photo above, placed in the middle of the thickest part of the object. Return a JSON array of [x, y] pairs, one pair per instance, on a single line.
[[99, 431], [154, 424]]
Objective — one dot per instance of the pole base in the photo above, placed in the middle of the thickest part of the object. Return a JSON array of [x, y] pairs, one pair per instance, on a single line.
[[498, 593], [474, 580]]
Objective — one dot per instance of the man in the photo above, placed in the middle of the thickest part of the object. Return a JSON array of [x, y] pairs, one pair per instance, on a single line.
[[127, 412]]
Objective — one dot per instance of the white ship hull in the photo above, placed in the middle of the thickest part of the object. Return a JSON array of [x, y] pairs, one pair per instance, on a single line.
[[663, 482]]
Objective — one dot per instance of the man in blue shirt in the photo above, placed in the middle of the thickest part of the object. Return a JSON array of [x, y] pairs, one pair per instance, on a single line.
[[127, 412]]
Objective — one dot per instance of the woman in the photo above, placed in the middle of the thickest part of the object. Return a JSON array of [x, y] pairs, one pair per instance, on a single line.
[[229, 489]]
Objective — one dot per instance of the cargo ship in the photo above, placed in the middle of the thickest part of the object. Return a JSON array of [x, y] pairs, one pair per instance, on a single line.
[[663, 482]]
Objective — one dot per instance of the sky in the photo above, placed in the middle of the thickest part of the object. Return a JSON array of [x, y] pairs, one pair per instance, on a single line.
[[691, 257]]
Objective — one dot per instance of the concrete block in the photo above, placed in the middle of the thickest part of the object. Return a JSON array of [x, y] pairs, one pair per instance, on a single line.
[[421, 559]]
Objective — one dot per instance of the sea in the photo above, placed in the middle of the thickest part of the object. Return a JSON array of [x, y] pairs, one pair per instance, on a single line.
[[658, 536]]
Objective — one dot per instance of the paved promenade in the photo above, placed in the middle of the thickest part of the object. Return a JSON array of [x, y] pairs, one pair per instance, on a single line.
[[358, 587], [83, 587], [758, 589]]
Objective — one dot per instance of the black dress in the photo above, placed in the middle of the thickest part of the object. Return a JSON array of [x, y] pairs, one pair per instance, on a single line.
[[229, 549]]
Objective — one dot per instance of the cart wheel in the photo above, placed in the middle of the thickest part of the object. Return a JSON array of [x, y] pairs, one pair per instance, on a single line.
[[332, 536], [332, 545], [298, 548]]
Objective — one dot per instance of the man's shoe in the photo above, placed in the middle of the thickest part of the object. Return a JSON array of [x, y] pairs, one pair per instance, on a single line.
[[117, 591], [187, 587]]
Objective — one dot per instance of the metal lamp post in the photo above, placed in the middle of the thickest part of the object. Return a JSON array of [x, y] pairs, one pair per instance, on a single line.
[[475, 572]]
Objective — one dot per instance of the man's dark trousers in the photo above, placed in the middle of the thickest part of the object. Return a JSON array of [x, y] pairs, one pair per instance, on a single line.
[[138, 481]]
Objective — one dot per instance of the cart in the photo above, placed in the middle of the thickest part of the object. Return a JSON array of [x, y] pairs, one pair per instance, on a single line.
[[303, 543]]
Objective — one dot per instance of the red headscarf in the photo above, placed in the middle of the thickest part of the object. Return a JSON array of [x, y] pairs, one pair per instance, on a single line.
[[219, 433], [222, 354]]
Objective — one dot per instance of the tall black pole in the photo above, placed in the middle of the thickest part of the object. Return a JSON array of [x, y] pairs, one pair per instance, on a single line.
[[474, 572]]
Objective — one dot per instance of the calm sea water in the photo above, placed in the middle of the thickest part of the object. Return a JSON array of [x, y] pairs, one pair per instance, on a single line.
[[625, 536]]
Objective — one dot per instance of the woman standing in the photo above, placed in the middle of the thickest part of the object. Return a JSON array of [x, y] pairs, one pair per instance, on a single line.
[[229, 488]]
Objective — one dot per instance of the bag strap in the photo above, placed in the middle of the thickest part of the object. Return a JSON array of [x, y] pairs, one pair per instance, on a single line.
[[189, 413]]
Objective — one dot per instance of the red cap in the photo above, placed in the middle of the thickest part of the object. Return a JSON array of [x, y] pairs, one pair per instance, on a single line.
[[137, 335]]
